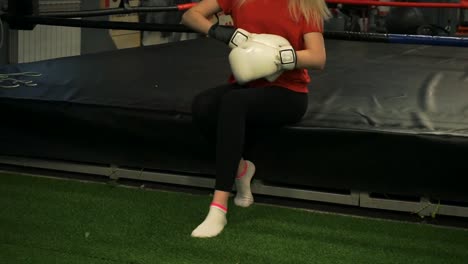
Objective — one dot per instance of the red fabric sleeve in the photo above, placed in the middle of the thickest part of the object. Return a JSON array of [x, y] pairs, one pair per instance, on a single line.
[[226, 5], [311, 27]]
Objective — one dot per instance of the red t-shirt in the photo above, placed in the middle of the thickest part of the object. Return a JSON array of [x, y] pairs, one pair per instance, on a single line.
[[273, 17]]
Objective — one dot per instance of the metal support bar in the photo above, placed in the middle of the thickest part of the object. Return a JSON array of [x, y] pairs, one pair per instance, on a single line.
[[58, 166], [362, 199], [424, 207], [166, 178], [114, 173], [348, 199]]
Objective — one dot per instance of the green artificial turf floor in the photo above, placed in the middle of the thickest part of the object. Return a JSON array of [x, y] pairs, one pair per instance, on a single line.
[[45, 220]]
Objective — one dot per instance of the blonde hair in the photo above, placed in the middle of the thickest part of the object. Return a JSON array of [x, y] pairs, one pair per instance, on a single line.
[[313, 11]]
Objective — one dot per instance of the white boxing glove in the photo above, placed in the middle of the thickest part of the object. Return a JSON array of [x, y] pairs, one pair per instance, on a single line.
[[262, 56]]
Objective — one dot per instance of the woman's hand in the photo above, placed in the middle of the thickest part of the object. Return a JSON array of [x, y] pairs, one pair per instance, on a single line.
[[197, 17]]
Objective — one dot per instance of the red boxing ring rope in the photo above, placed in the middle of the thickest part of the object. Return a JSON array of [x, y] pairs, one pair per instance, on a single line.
[[183, 7], [461, 4]]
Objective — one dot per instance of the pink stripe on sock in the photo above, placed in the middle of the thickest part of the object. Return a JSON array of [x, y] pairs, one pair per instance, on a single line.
[[243, 171], [219, 206]]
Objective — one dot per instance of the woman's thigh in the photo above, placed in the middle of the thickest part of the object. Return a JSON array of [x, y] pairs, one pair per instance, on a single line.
[[269, 106]]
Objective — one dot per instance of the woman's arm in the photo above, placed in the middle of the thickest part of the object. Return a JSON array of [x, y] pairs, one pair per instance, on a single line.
[[196, 17], [313, 56]]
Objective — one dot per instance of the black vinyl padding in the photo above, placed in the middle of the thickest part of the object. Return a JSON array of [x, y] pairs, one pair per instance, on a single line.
[[387, 118]]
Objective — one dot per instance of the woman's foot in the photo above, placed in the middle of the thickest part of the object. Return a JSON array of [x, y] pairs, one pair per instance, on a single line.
[[214, 222], [244, 197]]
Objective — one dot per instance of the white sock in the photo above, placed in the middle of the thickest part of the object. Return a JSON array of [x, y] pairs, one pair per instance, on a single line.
[[244, 197], [214, 222]]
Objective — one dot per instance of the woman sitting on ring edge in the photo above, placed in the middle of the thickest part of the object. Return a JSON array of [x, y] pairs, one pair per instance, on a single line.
[[225, 114]]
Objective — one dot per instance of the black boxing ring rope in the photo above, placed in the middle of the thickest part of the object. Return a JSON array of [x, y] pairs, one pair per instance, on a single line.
[[118, 11], [339, 35], [63, 19], [83, 23]]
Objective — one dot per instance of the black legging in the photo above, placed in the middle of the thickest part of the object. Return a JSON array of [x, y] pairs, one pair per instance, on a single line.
[[223, 114]]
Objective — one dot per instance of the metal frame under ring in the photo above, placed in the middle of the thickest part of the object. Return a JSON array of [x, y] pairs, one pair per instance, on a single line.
[[355, 198]]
